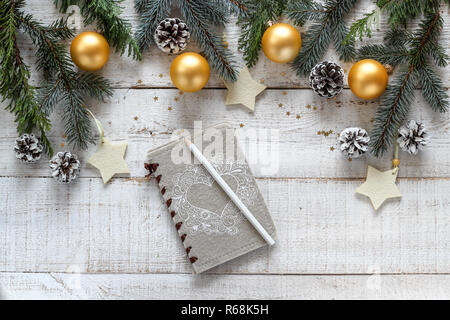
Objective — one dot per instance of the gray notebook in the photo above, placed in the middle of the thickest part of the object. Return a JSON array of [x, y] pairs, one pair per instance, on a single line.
[[211, 228]]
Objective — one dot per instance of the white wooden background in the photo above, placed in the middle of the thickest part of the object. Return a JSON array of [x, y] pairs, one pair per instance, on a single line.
[[89, 240]]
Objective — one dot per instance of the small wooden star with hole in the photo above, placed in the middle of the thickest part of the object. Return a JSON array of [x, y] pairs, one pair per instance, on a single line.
[[109, 159], [380, 186]]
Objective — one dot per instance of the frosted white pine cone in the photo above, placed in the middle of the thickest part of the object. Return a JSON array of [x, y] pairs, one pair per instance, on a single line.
[[65, 167], [327, 79], [28, 148], [412, 137], [172, 35], [354, 142]]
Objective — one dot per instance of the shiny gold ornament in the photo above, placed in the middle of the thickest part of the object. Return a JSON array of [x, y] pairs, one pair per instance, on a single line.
[[189, 72], [89, 51], [281, 42], [367, 79]]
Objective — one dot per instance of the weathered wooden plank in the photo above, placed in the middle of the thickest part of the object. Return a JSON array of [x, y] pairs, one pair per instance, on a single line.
[[181, 286], [123, 227], [301, 149], [153, 70]]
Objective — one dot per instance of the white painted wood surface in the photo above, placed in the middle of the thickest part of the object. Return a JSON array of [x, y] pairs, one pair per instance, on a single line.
[[87, 240]]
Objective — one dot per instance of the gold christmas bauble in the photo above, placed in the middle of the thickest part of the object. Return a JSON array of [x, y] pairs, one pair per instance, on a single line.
[[281, 42], [89, 51], [189, 72], [367, 79]]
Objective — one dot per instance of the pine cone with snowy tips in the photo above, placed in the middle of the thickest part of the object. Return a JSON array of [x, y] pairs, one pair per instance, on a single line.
[[412, 137], [327, 79], [28, 148], [65, 167], [354, 142], [172, 35]]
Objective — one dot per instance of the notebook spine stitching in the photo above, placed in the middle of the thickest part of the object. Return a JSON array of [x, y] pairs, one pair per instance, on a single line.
[[152, 167]]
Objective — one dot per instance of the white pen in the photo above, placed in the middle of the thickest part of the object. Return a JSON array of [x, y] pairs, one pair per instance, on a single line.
[[225, 187]]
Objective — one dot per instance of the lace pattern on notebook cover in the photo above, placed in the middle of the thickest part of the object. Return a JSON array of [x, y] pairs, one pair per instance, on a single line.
[[225, 217]]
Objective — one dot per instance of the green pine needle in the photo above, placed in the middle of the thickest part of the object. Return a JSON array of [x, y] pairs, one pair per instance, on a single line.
[[15, 76], [433, 90], [392, 112], [152, 13], [62, 85], [328, 26], [364, 26], [196, 14], [395, 104]]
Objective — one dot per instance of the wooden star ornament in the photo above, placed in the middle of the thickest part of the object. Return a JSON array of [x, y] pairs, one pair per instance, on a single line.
[[244, 90], [380, 186], [109, 159]]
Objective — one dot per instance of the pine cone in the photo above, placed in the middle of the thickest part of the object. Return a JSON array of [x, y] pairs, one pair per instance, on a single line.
[[28, 148], [65, 167], [412, 137], [172, 35], [327, 79], [354, 142]]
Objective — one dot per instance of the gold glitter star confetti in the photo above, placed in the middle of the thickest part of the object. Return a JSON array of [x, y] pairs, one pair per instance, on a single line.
[[241, 125], [280, 105], [298, 116], [155, 98]]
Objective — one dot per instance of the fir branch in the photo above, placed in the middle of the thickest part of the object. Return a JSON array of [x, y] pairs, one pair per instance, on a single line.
[[393, 111], [15, 76], [398, 97], [385, 54], [140, 5], [253, 24], [196, 15], [398, 37], [301, 11], [433, 90], [152, 13], [314, 46], [364, 26], [400, 12], [327, 26], [217, 12], [106, 14], [63, 84], [347, 49]]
